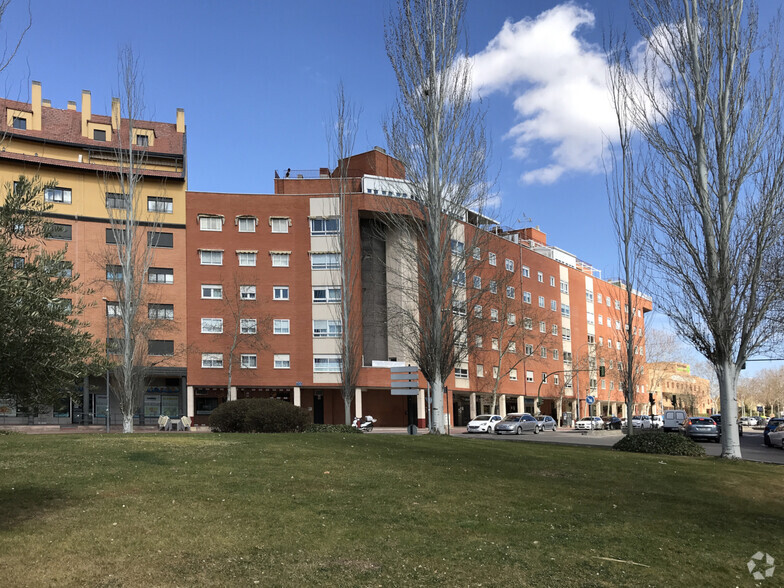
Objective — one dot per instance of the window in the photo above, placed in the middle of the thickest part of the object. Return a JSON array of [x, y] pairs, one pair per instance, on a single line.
[[512, 347], [529, 350], [589, 317], [511, 319], [541, 302], [246, 224], [480, 371], [554, 330], [211, 256], [599, 298], [325, 226], [591, 338], [542, 327], [59, 232], [478, 311], [320, 261], [495, 372], [247, 292], [163, 312], [494, 315], [555, 354], [477, 253], [567, 356], [493, 287], [564, 286], [529, 376], [509, 265], [552, 281], [459, 307], [478, 341], [544, 377], [567, 334], [113, 310], [458, 247], [601, 320], [20, 123], [212, 360], [159, 275], [327, 328], [459, 279], [279, 224], [158, 239], [609, 302], [618, 324], [281, 361], [160, 204], [527, 297], [248, 361], [543, 352], [510, 293], [210, 223], [212, 326], [326, 363], [553, 305], [114, 273], [565, 310], [588, 296], [477, 282], [494, 344], [491, 258], [540, 277], [18, 263], [247, 326], [246, 258], [160, 347], [556, 380], [513, 375], [617, 305], [281, 327], [211, 292], [117, 201], [528, 323], [326, 294], [58, 195], [99, 135], [115, 236], [280, 292], [461, 373], [142, 141]]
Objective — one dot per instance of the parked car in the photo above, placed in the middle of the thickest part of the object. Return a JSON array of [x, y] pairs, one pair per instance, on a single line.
[[701, 428], [748, 421], [657, 421], [546, 423], [776, 436], [641, 422], [590, 423], [717, 418], [612, 422], [673, 419], [483, 423], [772, 425], [516, 423]]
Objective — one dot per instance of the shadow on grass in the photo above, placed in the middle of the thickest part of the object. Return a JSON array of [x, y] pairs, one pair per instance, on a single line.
[[24, 503], [148, 458]]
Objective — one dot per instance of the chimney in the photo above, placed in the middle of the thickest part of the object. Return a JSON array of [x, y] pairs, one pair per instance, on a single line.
[[87, 108], [180, 120], [36, 104], [47, 103], [72, 105], [115, 114]]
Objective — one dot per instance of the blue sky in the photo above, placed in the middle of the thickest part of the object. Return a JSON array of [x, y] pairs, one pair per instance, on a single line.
[[257, 81]]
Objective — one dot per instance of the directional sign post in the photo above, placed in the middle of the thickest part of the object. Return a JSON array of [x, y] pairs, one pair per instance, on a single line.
[[589, 400], [405, 380]]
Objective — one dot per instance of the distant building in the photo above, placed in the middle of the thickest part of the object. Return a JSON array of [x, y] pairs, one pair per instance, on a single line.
[[675, 387]]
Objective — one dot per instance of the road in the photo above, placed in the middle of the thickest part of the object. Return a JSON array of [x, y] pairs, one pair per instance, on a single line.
[[752, 447]]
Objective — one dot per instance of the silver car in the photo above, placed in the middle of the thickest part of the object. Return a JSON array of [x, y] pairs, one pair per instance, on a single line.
[[546, 423], [701, 428], [517, 424]]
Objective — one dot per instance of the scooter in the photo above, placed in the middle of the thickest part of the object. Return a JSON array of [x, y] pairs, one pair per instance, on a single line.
[[364, 424]]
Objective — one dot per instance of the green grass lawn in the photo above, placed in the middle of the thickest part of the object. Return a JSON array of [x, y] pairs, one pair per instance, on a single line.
[[375, 510]]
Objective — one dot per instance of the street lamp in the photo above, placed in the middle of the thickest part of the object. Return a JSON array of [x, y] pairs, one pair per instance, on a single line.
[[108, 414]]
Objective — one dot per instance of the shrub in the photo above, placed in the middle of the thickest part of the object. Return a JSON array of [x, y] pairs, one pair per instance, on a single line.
[[258, 415], [660, 442], [331, 429]]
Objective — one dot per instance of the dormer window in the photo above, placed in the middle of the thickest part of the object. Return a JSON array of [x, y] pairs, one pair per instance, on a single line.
[[20, 123], [99, 135], [142, 141]]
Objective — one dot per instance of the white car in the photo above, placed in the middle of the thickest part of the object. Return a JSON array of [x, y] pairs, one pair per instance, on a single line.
[[483, 423], [776, 436], [590, 423], [657, 421], [641, 422]]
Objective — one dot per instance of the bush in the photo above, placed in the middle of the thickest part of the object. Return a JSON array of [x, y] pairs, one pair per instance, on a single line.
[[660, 442], [331, 429], [258, 415]]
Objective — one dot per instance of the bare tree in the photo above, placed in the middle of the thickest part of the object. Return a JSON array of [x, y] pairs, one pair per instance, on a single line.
[[708, 105], [437, 133], [340, 141]]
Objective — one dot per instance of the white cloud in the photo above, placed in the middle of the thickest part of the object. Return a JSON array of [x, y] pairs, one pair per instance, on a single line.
[[559, 86]]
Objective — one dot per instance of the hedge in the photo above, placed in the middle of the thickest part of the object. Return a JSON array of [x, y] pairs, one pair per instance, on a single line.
[[660, 442], [258, 415]]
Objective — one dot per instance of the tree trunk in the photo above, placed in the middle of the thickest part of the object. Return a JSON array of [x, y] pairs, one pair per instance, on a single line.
[[347, 409], [127, 423], [437, 392], [730, 440]]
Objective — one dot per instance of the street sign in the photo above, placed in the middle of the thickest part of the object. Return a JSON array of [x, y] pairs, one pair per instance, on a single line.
[[404, 380], [590, 400]]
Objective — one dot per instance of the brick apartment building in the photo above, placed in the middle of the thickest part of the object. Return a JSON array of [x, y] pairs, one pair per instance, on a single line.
[[258, 274]]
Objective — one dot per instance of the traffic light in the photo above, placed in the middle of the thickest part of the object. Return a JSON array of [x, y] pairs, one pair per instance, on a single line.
[[650, 397], [601, 371], [674, 400]]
